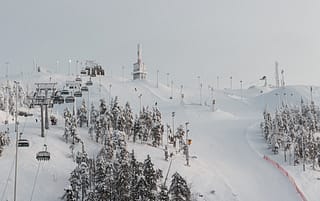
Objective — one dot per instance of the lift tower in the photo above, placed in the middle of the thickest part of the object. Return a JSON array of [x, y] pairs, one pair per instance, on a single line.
[[42, 99]]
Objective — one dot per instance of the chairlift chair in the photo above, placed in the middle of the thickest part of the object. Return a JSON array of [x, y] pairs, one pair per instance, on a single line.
[[43, 155], [58, 100], [69, 99], [84, 88], [23, 143], [65, 92], [89, 83], [78, 94], [83, 72]]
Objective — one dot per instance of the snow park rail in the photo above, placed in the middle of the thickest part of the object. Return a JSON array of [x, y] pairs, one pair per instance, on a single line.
[[285, 173]]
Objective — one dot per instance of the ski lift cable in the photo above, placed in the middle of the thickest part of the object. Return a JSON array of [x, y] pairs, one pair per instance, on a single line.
[[35, 181], [9, 175]]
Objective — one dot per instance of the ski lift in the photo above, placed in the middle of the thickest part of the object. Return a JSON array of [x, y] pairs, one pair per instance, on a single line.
[[65, 92], [78, 79], [69, 99], [84, 88], [23, 143], [43, 155], [78, 94], [89, 83], [93, 74], [58, 100]]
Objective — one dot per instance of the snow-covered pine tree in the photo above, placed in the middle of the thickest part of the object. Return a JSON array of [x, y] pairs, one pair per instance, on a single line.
[[179, 190], [150, 177], [115, 111], [128, 115], [163, 194]]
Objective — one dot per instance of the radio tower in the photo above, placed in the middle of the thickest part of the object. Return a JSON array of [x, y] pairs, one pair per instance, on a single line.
[[277, 75]]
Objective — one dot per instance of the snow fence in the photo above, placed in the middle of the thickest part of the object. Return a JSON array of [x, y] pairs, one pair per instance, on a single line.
[[285, 173]]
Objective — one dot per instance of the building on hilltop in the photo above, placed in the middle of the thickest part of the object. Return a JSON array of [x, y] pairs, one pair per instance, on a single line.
[[139, 69]]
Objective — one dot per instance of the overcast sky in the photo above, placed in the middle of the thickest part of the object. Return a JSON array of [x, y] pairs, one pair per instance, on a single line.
[[207, 38]]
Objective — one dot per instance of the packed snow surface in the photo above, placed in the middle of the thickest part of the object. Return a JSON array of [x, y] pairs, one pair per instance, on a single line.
[[226, 151]]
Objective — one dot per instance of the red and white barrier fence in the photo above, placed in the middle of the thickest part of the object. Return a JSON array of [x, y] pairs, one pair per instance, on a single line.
[[284, 172]]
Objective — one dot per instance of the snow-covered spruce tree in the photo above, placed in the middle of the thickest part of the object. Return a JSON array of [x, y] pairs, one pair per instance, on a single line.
[[136, 172], [84, 177], [115, 111], [75, 182], [121, 124], [102, 106], [163, 195], [93, 114], [128, 115], [123, 180], [150, 177], [179, 190], [142, 189], [82, 114], [137, 129], [69, 195]]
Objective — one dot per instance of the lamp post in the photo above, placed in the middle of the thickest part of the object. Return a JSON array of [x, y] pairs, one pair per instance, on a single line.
[[241, 87], [187, 144], [171, 97], [218, 82], [157, 78], [69, 64], [57, 66], [140, 95], [172, 115], [123, 73], [7, 70], [200, 93], [77, 63], [230, 82], [110, 86], [16, 157]]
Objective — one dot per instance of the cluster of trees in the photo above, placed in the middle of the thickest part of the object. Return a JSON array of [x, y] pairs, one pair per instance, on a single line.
[[82, 114], [116, 175], [145, 127], [4, 140], [296, 132], [70, 130], [8, 97]]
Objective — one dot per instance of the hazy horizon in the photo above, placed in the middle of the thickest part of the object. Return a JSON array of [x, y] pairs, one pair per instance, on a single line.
[[187, 39]]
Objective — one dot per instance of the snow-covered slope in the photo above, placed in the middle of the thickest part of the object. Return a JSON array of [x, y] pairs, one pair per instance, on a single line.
[[224, 164]]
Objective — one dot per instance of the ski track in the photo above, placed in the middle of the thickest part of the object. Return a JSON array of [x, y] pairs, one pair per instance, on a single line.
[[227, 150]]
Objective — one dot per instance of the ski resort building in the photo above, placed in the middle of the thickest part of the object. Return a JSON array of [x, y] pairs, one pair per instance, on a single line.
[[139, 69]]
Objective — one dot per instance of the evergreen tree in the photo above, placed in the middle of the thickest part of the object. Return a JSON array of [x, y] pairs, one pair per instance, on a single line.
[[150, 177], [179, 190], [128, 119], [163, 195]]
